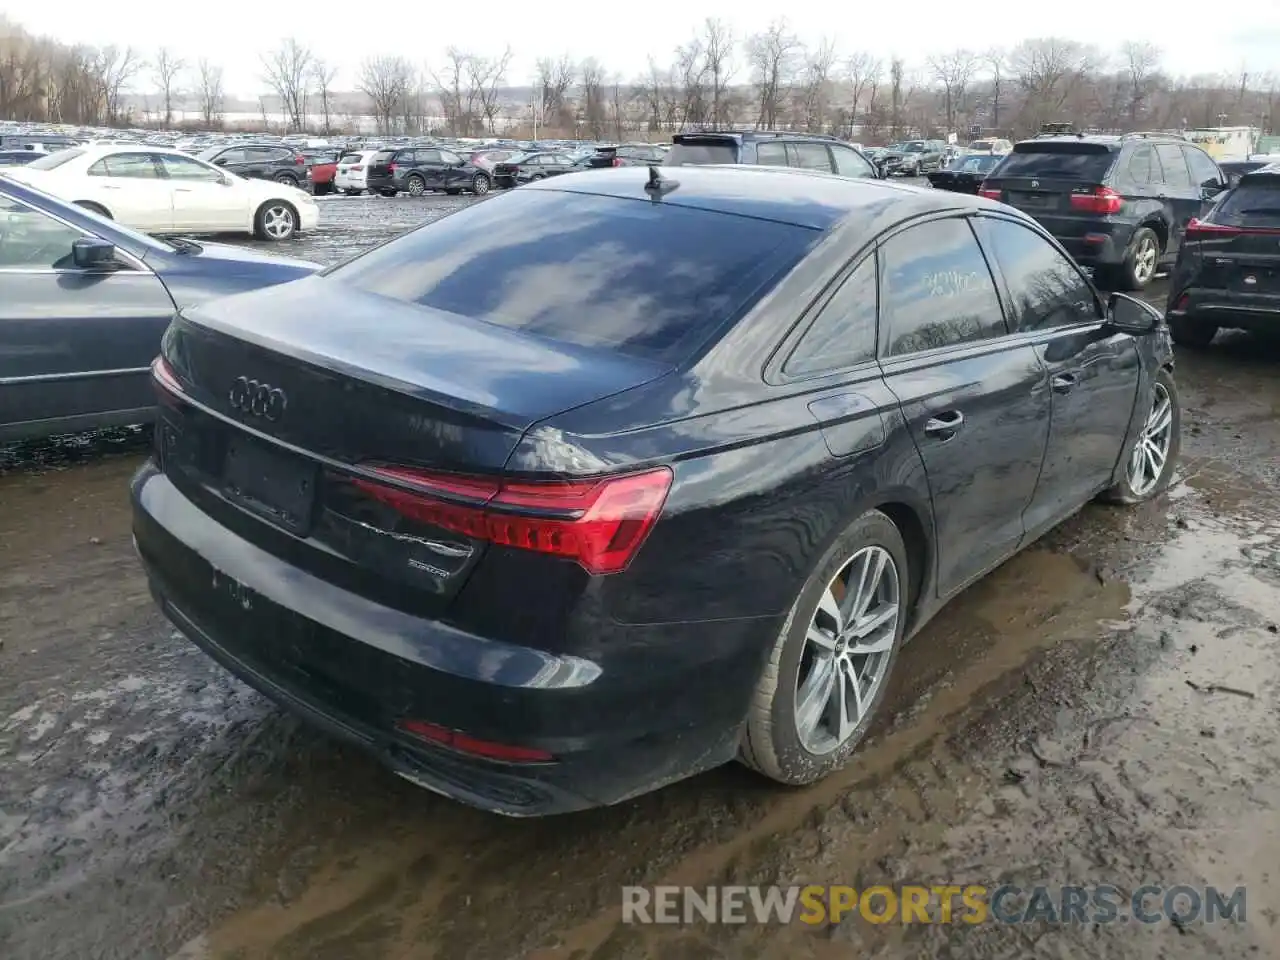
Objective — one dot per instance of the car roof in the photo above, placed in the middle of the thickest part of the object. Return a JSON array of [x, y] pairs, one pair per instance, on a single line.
[[802, 198], [1270, 171]]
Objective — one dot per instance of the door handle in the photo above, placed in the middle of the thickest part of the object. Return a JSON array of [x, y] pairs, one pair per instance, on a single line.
[[945, 425], [1063, 382], [110, 186], [181, 189]]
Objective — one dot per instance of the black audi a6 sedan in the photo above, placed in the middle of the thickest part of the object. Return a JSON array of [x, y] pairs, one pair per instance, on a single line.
[[623, 475]]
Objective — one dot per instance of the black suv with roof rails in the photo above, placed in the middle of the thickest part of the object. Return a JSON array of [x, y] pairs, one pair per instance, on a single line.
[[1228, 269], [1118, 204], [770, 148]]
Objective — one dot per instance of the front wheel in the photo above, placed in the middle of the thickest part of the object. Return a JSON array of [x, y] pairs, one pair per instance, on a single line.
[[480, 185], [275, 220], [1150, 465], [829, 668]]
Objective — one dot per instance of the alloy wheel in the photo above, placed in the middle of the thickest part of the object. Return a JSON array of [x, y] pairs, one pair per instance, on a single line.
[[848, 647], [1144, 260], [416, 187], [480, 186], [278, 222], [1151, 452]]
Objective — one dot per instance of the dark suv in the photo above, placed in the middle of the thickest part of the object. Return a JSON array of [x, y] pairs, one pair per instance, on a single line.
[[415, 170], [767, 148], [1118, 204], [1228, 269], [263, 161]]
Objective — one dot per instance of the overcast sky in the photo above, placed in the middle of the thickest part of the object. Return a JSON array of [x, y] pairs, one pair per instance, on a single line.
[[1194, 38]]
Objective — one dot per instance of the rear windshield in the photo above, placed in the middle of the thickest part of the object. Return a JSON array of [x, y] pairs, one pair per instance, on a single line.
[[382, 156], [701, 151], [1252, 203], [978, 163], [1067, 161], [646, 279], [54, 160]]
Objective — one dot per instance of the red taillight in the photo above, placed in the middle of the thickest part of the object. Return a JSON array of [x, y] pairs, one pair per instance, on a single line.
[[299, 161], [168, 388], [1199, 229], [1101, 200], [600, 524], [991, 193], [391, 168], [464, 743], [616, 162]]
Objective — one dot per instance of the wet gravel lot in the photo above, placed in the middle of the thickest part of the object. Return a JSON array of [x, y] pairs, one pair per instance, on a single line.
[[1103, 708]]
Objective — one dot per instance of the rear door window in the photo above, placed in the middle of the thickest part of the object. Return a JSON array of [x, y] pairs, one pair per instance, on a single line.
[[844, 332], [1175, 168], [650, 280], [1143, 167], [936, 288], [771, 155], [1060, 162], [809, 156], [702, 151]]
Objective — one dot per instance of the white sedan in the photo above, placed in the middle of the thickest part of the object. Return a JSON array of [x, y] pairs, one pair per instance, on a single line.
[[166, 191]]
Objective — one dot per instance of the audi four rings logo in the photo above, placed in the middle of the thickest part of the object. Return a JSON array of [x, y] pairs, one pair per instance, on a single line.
[[257, 399]]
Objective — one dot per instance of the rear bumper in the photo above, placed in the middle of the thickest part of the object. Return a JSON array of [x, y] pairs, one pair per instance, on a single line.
[[382, 182], [1090, 242], [1226, 308], [620, 725]]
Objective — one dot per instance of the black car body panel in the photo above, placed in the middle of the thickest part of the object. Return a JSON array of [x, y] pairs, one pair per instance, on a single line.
[[1094, 193], [364, 618], [966, 176], [529, 167], [418, 170], [1228, 272], [263, 161], [76, 344]]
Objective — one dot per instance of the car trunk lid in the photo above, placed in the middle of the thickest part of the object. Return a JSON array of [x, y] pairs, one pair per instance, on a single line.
[[1041, 177], [302, 401], [1239, 242]]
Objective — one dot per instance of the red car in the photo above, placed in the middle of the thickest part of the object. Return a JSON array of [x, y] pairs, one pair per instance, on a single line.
[[324, 167]]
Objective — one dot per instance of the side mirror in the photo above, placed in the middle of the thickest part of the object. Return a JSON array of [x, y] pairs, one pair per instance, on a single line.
[[90, 253], [882, 170], [1127, 314], [1212, 187], [220, 162], [225, 181]]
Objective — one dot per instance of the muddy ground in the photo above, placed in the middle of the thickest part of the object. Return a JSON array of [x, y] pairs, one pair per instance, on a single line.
[[1103, 708]]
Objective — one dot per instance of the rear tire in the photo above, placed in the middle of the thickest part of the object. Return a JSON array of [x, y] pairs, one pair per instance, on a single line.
[[95, 208], [1140, 260], [388, 193], [816, 648], [416, 186], [1192, 333], [287, 179], [480, 185]]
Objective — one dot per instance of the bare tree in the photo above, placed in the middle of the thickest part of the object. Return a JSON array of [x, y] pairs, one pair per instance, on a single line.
[[385, 81], [861, 70], [322, 75], [554, 78], [594, 108], [717, 46], [116, 70], [1049, 71], [690, 70], [166, 69], [459, 96], [898, 95], [487, 77], [287, 70], [815, 99], [996, 62], [1141, 61], [773, 56], [953, 71], [209, 81]]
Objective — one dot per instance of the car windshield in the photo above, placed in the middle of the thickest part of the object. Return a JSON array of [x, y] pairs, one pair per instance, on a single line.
[[208, 155], [648, 280], [54, 160], [916, 147]]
